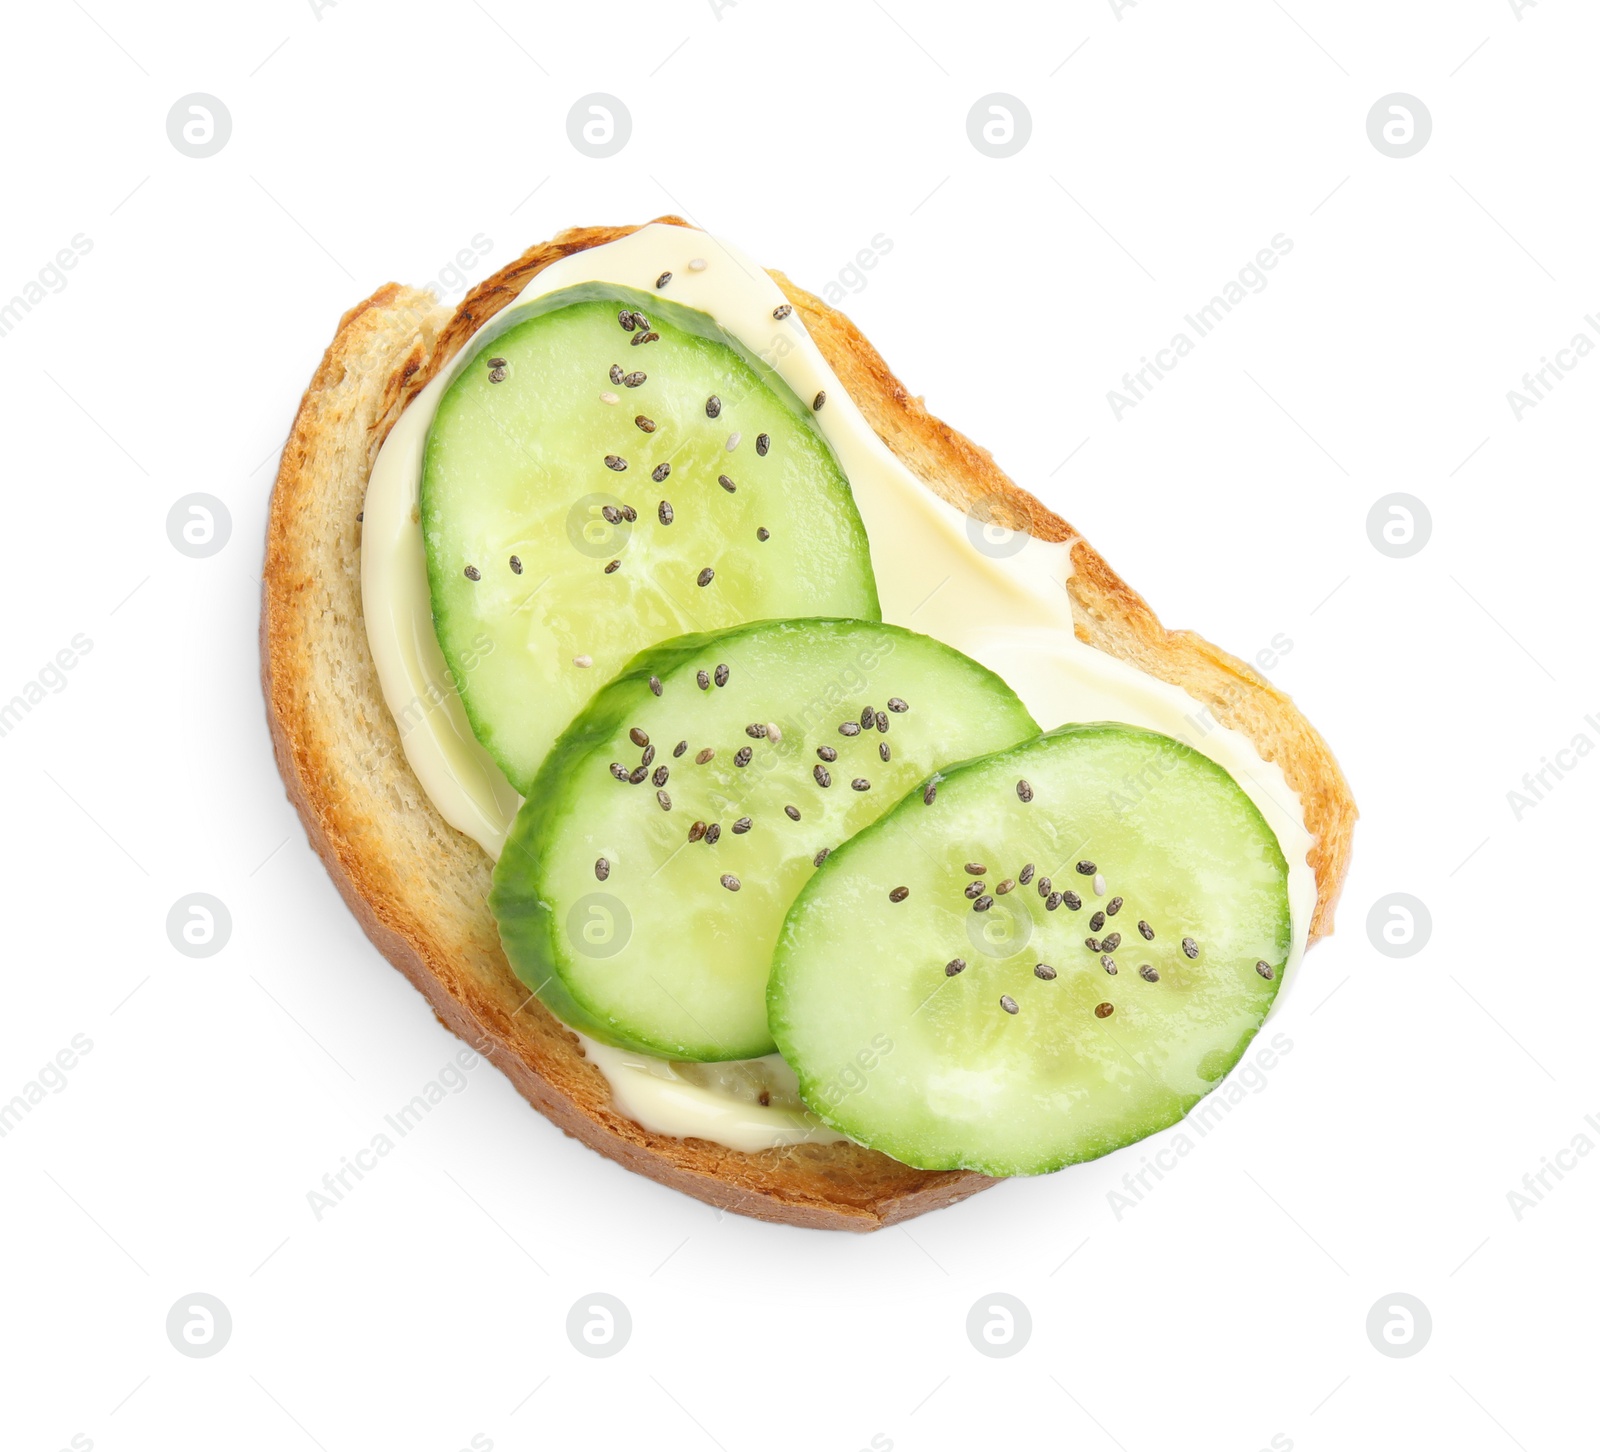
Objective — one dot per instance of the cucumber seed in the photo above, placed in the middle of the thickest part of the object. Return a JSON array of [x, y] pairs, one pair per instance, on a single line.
[[663, 280], [780, 312], [611, 514], [976, 869], [820, 858], [849, 728], [1072, 900], [827, 753], [619, 771], [639, 737], [1103, 1010], [930, 793], [727, 483], [792, 813], [1111, 942], [655, 685], [866, 718], [608, 397], [1191, 949], [720, 675], [818, 401], [638, 774], [697, 831], [881, 721], [713, 406], [713, 832], [648, 425], [516, 565], [897, 705], [861, 784], [648, 757], [1024, 792], [1097, 922], [664, 512], [616, 373], [472, 573], [954, 966], [755, 730], [633, 380], [733, 440], [1008, 1003], [659, 776], [1099, 885], [664, 801], [1092, 944], [697, 264], [1264, 968], [704, 755], [680, 748], [1113, 907], [1087, 869], [741, 757], [883, 751], [705, 577], [1146, 931], [613, 566], [1052, 902], [602, 868], [763, 534], [1149, 974], [974, 889], [1108, 964], [983, 904], [703, 680], [1044, 887], [1002, 888], [899, 894], [1026, 875], [730, 882], [824, 779], [625, 317], [741, 826], [583, 662], [660, 472], [763, 443], [616, 463], [1044, 971]]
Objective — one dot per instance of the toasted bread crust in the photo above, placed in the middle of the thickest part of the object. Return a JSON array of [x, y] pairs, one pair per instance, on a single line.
[[419, 888]]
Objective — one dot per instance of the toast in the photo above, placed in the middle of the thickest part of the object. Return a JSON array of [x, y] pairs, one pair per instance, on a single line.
[[419, 888]]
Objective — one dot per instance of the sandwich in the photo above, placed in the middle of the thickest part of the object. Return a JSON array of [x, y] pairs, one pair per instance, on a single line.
[[796, 810]]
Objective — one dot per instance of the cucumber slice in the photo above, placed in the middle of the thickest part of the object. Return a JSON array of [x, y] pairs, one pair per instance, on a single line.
[[983, 1031], [553, 465], [644, 910]]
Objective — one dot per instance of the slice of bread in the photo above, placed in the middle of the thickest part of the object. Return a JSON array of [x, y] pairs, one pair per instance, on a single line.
[[419, 887]]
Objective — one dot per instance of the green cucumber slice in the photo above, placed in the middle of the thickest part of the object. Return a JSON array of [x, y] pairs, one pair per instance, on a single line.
[[998, 1040], [644, 912], [523, 516]]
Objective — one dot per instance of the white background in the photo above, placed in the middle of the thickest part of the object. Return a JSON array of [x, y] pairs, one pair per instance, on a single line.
[[1169, 144]]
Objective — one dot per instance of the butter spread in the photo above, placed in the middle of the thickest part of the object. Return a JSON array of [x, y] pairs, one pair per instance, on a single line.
[[995, 595]]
